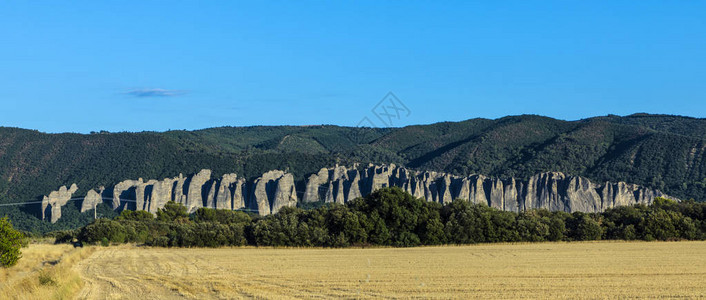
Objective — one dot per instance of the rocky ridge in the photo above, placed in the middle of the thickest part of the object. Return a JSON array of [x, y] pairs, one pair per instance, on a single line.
[[51, 204], [276, 189]]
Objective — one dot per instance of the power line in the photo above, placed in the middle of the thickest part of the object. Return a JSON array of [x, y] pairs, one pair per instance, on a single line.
[[321, 188], [35, 202], [108, 199], [72, 199]]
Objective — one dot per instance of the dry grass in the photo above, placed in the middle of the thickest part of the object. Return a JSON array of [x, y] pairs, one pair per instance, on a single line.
[[44, 272], [546, 270]]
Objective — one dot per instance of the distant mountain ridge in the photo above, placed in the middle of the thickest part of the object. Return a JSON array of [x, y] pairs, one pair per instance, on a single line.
[[656, 151]]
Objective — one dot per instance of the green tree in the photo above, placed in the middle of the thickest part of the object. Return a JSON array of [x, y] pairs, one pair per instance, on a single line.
[[11, 241], [399, 211], [172, 211], [587, 229], [466, 223], [662, 225], [223, 216], [531, 227], [557, 226], [135, 215], [345, 226], [434, 232]]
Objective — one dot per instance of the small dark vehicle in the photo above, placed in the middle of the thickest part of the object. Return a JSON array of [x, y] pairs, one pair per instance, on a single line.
[[77, 244]]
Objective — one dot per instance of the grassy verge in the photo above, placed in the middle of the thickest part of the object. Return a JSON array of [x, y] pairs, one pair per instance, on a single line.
[[44, 272]]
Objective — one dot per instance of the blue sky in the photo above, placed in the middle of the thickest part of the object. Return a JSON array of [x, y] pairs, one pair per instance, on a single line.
[[82, 66]]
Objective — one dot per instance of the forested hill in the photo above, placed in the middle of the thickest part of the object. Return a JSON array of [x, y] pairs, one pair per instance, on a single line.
[[658, 151]]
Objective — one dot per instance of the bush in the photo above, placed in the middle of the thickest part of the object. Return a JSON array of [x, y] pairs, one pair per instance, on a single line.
[[222, 216], [531, 227], [160, 241], [392, 217], [135, 215], [46, 279], [584, 228], [11, 241], [113, 231], [408, 239], [557, 226], [628, 233], [172, 211]]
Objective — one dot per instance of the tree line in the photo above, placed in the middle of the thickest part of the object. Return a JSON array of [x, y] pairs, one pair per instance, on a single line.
[[392, 217]]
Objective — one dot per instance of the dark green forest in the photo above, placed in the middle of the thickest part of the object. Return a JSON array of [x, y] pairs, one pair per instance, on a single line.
[[392, 217], [659, 151]]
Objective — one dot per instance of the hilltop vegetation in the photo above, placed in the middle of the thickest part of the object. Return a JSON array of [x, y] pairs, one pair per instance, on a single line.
[[663, 152]]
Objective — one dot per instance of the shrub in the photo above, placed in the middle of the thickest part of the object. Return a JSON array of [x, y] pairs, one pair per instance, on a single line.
[[63, 237], [660, 225], [557, 226], [46, 279], [135, 215], [172, 211], [392, 217], [585, 228], [531, 227], [629, 233], [160, 241], [407, 239], [111, 230], [11, 241]]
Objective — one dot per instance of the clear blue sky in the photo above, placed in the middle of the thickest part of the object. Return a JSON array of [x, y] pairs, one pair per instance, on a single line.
[[85, 66]]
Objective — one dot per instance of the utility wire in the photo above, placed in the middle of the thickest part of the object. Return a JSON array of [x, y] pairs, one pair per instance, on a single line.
[[107, 199], [321, 188]]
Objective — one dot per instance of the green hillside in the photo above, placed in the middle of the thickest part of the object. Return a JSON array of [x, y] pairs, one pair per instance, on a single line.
[[660, 151]]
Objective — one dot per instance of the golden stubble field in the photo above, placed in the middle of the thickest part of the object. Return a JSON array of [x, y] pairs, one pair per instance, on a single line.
[[45, 271], [542, 270]]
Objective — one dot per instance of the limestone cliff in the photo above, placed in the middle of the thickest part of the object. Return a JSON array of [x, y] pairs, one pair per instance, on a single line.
[[122, 191], [285, 193], [160, 193], [272, 191], [56, 199], [277, 189], [194, 194], [552, 190], [225, 191], [92, 199]]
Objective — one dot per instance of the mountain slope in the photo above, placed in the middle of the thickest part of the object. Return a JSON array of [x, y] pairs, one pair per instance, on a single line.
[[657, 151]]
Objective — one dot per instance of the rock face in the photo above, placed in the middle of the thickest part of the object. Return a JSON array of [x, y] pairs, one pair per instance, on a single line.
[[55, 201], [552, 190], [194, 195], [276, 189], [225, 191], [178, 189], [272, 191], [123, 190], [313, 186], [285, 193], [240, 192], [92, 199], [160, 193]]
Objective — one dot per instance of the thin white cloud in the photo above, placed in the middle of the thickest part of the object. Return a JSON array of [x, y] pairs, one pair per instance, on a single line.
[[155, 92]]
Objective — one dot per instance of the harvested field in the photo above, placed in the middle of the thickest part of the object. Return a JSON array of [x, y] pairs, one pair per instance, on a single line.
[[45, 271], [542, 270]]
